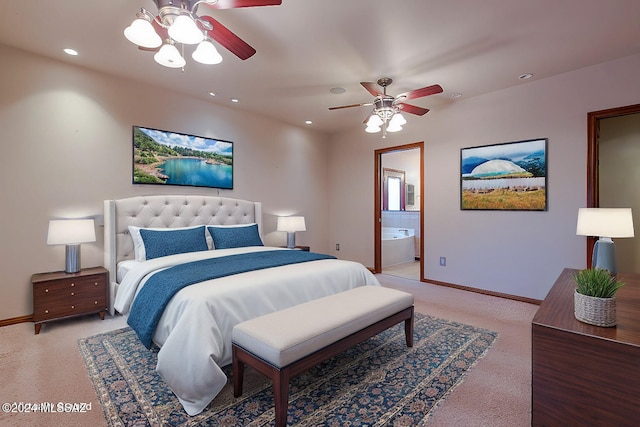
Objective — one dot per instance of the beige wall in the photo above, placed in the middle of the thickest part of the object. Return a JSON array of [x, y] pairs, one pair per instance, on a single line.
[[518, 253], [619, 155], [66, 146]]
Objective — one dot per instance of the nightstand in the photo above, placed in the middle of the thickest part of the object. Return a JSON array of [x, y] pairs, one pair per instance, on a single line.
[[60, 295]]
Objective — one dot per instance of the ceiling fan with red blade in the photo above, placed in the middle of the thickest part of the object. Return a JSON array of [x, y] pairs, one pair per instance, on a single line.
[[152, 33], [382, 100], [386, 112]]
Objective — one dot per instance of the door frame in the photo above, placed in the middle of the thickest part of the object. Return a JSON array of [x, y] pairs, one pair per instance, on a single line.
[[593, 174], [377, 185]]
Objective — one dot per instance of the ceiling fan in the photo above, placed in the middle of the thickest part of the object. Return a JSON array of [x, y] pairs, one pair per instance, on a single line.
[[178, 21], [386, 112]]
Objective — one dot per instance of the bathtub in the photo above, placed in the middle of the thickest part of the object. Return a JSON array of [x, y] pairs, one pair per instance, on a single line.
[[398, 246]]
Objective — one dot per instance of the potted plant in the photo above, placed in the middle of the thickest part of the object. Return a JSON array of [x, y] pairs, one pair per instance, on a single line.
[[594, 297]]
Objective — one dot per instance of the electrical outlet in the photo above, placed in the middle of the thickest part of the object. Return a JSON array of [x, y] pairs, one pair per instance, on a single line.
[[337, 246], [443, 261]]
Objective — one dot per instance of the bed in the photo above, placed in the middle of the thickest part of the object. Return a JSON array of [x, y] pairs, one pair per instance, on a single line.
[[193, 330]]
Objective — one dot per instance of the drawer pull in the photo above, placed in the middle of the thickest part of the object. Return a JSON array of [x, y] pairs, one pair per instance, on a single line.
[[46, 312], [46, 290], [96, 302], [73, 293], [95, 284], [73, 284], [73, 306]]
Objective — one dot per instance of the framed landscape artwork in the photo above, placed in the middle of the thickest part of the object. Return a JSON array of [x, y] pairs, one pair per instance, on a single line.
[[171, 158], [509, 176]]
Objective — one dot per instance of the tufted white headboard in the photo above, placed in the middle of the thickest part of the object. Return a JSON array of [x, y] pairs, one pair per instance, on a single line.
[[167, 212]]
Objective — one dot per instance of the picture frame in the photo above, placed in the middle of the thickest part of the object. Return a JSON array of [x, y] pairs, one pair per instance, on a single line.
[[170, 158], [510, 176]]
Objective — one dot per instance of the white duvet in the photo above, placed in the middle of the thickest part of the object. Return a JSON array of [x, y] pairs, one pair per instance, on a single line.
[[194, 333]]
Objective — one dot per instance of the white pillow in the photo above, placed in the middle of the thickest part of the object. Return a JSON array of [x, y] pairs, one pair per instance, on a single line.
[[138, 244]]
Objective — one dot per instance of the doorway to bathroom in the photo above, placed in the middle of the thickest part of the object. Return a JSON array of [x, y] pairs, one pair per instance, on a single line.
[[399, 211]]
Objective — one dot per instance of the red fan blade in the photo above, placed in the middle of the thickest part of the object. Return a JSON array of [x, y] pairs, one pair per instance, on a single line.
[[425, 91], [226, 38], [372, 88], [349, 106], [234, 4], [412, 109]]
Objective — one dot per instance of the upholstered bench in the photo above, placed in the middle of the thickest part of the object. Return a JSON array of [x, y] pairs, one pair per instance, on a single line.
[[285, 343]]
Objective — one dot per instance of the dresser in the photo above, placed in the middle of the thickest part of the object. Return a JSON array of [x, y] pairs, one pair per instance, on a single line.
[[586, 375], [60, 295]]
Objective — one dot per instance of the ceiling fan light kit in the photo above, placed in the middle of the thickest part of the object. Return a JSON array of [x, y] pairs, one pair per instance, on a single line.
[[179, 22], [386, 116]]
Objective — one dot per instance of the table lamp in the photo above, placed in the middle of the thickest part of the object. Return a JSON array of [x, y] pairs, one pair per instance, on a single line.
[[291, 224], [605, 223], [71, 232]]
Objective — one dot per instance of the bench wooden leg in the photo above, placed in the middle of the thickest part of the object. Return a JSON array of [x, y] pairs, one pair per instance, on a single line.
[[281, 396], [238, 374], [408, 330]]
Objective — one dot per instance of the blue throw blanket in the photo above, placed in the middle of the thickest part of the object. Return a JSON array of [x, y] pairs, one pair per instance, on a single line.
[[152, 299]]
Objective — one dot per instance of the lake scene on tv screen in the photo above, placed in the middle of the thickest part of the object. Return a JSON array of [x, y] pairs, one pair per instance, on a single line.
[[163, 157]]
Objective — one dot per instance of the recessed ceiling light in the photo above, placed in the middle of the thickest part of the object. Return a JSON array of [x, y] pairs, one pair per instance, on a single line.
[[525, 76], [235, 100], [309, 122], [455, 95], [70, 51], [212, 93], [337, 90]]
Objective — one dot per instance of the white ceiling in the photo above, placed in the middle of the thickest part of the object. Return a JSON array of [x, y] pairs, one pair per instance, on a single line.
[[306, 47]]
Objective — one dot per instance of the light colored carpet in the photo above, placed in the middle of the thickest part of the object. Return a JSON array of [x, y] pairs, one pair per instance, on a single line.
[[497, 392]]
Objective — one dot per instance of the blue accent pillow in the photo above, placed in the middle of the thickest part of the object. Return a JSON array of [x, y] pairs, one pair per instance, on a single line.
[[235, 237], [163, 243]]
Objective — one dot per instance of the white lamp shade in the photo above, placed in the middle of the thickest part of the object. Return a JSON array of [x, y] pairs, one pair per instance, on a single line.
[[397, 119], [71, 231], [206, 53], [291, 223], [185, 30], [141, 32], [169, 56], [394, 127], [605, 222], [374, 121]]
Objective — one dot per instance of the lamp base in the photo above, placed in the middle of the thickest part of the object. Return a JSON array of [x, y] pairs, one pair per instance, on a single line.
[[291, 239], [604, 255], [72, 259]]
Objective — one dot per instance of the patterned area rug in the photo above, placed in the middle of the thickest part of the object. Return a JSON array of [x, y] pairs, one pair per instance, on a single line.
[[377, 383]]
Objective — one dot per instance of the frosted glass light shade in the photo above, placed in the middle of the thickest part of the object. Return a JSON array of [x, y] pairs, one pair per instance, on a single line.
[[185, 30], [141, 32], [169, 56], [397, 119], [374, 121], [291, 223], [71, 231], [206, 53], [605, 222]]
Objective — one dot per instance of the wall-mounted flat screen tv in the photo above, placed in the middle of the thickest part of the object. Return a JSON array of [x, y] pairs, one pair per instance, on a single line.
[[171, 158]]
